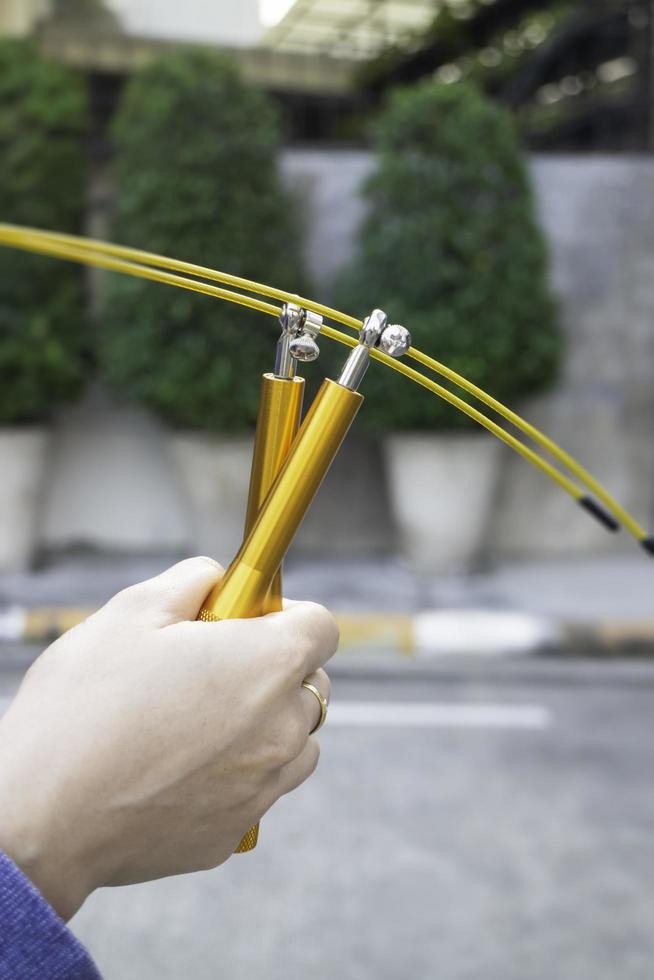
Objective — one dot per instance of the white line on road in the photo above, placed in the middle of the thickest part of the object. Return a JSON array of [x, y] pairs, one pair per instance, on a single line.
[[394, 714], [411, 714]]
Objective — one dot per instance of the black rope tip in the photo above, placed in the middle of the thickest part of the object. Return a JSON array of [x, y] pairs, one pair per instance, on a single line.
[[648, 545], [601, 516]]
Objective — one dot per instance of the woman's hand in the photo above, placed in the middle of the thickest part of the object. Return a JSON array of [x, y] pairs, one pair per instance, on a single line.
[[143, 744]]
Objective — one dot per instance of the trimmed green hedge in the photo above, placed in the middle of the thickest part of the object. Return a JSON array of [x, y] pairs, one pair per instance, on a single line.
[[42, 182], [196, 178], [451, 248]]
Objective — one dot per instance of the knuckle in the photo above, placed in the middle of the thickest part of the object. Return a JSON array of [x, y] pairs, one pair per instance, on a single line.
[[133, 597], [284, 746], [200, 563], [304, 767], [212, 561], [313, 755], [310, 635], [289, 740], [324, 683], [296, 735], [292, 656], [325, 628], [270, 757], [279, 752]]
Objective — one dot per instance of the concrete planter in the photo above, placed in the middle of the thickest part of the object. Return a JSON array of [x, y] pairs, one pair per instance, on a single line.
[[442, 488], [350, 516], [214, 473], [22, 464]]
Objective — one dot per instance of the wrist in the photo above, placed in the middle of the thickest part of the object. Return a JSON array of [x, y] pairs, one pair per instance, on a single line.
[[29, 837], [61, 890]]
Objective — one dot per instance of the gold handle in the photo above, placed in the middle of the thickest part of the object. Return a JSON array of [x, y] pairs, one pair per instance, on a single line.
[[252, 583]]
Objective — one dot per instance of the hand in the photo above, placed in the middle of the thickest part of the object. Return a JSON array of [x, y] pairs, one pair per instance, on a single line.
[[143, 744]]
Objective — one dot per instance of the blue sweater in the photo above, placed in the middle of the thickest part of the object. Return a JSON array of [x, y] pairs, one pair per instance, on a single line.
[[35, 943]]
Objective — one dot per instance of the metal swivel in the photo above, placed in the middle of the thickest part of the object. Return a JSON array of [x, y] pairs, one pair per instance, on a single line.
[[297, 342], [395, 340], [304, 348], [376, 333]]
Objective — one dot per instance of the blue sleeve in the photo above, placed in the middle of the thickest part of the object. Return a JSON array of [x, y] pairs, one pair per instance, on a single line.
[[35, 943]]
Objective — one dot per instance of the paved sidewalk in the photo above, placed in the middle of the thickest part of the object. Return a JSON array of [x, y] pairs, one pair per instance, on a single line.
[[604, 605]]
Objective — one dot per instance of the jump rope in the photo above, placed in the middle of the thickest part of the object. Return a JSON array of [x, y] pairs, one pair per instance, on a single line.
[[290, 458]]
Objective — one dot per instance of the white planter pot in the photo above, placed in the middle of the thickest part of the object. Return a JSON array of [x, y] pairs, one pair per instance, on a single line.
[[214, 473], [350, 515], [22, 465], [442, 489]]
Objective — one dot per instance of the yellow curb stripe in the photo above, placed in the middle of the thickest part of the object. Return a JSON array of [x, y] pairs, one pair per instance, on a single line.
[[620, 632], [374, 630], [49, 623], [359, 632]]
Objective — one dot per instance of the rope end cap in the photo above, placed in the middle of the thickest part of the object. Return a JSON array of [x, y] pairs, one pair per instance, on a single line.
[[601, 515]]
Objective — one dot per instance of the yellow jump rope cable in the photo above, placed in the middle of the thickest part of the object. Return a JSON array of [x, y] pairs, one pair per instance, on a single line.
[[132, 261]]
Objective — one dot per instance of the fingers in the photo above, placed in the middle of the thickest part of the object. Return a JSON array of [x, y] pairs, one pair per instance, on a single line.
[[310, 704], [175, 595], [282, 648], [311, 632], [296, 772]]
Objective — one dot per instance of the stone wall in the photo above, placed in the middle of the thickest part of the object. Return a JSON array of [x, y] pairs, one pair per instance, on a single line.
[[113, 485], [599, 217]]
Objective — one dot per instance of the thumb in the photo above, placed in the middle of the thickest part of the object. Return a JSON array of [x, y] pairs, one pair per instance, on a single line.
[[176, 594]]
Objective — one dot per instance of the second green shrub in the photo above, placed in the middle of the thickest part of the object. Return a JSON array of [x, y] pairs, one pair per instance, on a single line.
[[451, 248]]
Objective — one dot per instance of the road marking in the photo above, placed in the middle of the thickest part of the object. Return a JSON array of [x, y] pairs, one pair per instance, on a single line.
[[411, 714]]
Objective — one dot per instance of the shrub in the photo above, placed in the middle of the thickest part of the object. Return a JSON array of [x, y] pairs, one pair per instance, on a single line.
[[196, 178], [42, 183], [451, 249]]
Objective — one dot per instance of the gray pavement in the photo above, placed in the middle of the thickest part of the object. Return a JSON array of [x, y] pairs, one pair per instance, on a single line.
[[452, 843]]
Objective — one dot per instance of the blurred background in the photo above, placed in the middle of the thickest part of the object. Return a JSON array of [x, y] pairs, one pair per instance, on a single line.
[[482, 170]]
